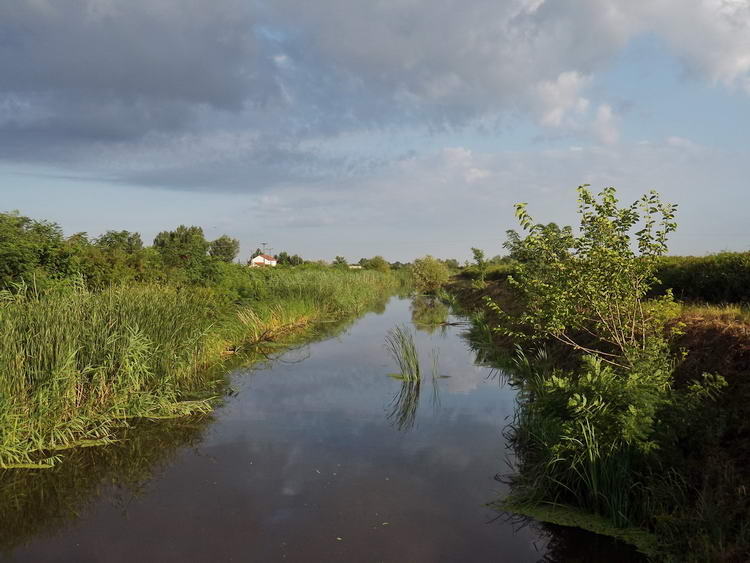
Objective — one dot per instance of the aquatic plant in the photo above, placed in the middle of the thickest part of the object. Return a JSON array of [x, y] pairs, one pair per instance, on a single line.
[[400, 343]]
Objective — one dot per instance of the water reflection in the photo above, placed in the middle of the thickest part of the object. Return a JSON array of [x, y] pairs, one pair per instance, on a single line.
[[570, 545], [429, 313], [299, 464], [36, 502], [405, 404]]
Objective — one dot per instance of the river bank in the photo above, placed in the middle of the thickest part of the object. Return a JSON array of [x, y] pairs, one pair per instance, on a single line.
[[77, 364], [695, 483], [307, 458]]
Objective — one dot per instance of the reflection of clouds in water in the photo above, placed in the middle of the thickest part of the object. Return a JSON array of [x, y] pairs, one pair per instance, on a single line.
[[466, 381], [304, 453]]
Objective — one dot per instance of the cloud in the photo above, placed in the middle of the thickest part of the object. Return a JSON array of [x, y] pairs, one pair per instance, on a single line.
[[437, 193], [242, 95], [605, 125]]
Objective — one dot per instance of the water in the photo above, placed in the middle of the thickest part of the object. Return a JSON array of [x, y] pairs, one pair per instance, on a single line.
[[318, 455]]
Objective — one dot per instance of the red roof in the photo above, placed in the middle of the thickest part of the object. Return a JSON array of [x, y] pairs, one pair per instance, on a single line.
[[266, 256]]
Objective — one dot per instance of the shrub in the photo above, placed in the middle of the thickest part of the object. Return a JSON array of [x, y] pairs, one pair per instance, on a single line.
[[429, 274], [718, 278], [594, 283]]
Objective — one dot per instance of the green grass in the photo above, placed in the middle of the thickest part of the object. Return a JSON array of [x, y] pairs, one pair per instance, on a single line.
[[732, 312], [76, 365], [400, 343]]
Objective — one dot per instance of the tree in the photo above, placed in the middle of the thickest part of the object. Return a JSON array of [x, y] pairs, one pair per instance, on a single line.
[[185, 251], [452, 264], [593, 285], [377, 263], [126, 241], [481, 264], [285, 259], [29, 247], [257, 252], [224, 248], [515, 243], [282, 258], [340, 262], [429, 274], [497, 260]]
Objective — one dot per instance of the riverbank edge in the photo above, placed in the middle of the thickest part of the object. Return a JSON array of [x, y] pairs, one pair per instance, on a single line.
[[708, 341], [284, 324], [644, 541]]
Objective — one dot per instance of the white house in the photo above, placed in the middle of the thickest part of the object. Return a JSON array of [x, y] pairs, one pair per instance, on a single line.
[[263, 260]]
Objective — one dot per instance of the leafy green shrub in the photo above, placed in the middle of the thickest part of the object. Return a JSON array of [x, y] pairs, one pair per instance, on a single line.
[[581, 436], [429, 274], [593, 285]]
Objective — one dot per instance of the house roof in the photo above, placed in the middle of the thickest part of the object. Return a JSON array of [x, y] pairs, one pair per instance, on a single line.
[[266, 256]]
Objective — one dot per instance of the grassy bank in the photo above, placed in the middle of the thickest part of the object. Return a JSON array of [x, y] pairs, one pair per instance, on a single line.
[[76, 364], [685, 498]]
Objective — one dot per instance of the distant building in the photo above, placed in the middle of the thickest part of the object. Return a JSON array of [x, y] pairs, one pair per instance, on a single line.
[[355, 267], [262, 260]]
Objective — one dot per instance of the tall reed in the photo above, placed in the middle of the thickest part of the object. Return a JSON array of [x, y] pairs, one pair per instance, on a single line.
[[75, 364]]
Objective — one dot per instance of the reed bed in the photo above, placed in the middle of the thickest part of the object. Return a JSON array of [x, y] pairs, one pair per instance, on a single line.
[[76, 365]]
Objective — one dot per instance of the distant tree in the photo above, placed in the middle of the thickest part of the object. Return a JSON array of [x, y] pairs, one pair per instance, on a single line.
[[429, 274], [126, 241], [497, 260], [257, 252], [185, 249], [452, 263], [480, 263], [376, 263], [340, 262], [224, 248], [285, 259], [32, 248], [78, 240]]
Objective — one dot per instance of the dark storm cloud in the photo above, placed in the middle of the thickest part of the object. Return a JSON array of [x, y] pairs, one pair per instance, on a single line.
[[86, 69]]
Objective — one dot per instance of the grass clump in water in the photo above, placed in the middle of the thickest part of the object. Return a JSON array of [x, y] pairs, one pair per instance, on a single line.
[[400, 343]]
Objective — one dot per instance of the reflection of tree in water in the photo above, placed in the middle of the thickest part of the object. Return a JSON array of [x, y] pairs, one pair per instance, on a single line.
[[570, 545], [428, 313], [404, 405], [566, 544], [42, 501]]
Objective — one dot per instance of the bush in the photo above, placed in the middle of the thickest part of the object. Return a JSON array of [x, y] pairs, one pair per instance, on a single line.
[[718, 278], [594, 282], [429, 274]]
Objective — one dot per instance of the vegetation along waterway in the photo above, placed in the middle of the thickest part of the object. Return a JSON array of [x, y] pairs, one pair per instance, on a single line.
[[316, 454]]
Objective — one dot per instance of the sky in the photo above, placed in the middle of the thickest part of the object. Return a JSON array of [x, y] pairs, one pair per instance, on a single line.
[[364, 127]]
